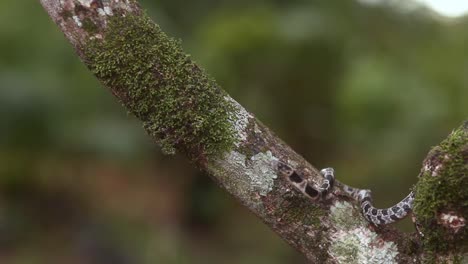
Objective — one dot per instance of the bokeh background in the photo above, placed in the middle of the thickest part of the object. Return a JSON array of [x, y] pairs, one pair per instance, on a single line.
[[364, 86]]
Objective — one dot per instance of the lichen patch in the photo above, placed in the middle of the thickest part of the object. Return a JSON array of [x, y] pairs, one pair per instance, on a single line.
[[85, 3], [77, 21], [108, 11], [240, 119], [352, 242], [361, 245], [262, 172], [246, 178], [345, 216], [101, 12]]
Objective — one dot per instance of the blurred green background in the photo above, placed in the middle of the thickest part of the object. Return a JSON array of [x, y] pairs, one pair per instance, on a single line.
[[365, 88]]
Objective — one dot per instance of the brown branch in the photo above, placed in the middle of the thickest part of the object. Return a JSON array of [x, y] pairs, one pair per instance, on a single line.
[[184, 110]]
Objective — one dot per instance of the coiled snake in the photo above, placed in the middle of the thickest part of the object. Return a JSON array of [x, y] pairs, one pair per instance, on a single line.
[[301, 181]]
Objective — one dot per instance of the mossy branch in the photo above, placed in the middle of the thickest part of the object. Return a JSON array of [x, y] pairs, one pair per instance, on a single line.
[[441, 204], [184, 110]]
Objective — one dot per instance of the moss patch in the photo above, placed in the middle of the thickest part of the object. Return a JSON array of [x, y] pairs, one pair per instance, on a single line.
[[298, 209], [179, 104], [89, 26], [443, 188]]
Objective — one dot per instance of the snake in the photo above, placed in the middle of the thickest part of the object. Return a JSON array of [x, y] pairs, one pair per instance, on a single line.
[[301, 180]]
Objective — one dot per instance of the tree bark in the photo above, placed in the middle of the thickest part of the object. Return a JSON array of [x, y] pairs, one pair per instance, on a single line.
[[184, 110]]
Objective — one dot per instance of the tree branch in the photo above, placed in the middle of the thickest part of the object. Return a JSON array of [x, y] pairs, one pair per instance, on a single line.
[[184, 110]]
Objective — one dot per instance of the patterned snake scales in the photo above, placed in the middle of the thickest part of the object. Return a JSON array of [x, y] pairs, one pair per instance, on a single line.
[[375, 216]]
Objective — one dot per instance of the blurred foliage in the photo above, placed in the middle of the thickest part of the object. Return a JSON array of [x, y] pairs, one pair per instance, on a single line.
[[366, 88]]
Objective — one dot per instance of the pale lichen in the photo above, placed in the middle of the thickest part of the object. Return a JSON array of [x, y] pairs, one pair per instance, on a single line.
[[345, 216], [239, 118], [248, 178], [108, 11], [361, 245], [101, 12], [85, 3], [353, 242], [77, 21], [261, 173]]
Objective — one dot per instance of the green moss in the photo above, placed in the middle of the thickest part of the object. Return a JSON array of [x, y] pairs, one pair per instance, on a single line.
[[444, 191], [300, 216], [89, 26], [179, 104], [300, 210]]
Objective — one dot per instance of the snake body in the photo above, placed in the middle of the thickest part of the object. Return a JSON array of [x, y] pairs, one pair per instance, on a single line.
[[304, 184]]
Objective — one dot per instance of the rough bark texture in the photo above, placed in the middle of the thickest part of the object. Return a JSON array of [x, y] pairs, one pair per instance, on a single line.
[[184, 110]]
